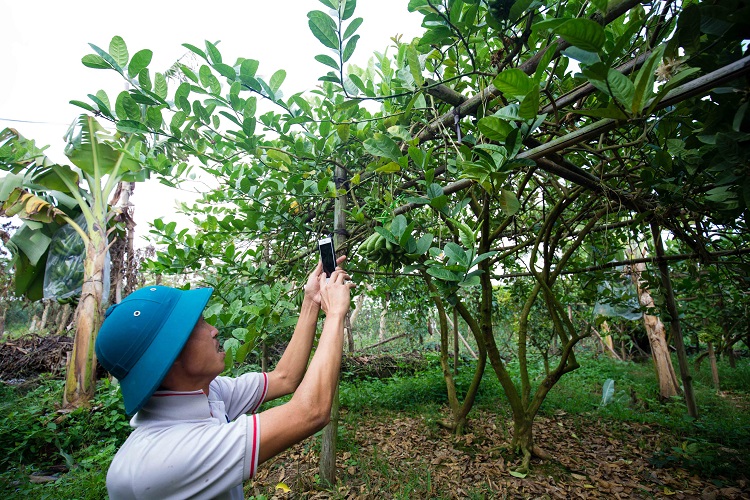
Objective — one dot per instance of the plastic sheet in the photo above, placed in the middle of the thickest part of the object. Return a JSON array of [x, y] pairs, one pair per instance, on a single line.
[[63, 274], [618, 299]]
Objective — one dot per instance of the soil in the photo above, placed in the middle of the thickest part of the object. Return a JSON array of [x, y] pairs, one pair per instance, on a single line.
[[409, 457]]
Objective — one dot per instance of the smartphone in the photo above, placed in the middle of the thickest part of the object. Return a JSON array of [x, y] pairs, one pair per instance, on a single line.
[[327, 255]]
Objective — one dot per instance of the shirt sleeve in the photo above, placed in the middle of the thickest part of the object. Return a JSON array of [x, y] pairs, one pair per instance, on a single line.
[[243, 394], [187, 461]]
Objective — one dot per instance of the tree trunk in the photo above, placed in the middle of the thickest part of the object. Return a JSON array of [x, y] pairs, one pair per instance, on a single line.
[[349, 334], [64, 318], [665, 374], [463, 340], [459, 409], [522, 442], [358, 302], [80, 382], [455, 342], [45, 313], [264, 356], [714, 367], [383, 313]]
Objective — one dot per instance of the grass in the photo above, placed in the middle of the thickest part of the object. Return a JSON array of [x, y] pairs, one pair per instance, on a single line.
[[36, 439]]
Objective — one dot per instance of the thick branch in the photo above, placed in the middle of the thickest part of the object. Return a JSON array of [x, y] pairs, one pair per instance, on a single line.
[[470, 106], [645, 260]]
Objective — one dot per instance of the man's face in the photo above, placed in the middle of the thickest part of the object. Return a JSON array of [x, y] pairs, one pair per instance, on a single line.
[[202, 355]]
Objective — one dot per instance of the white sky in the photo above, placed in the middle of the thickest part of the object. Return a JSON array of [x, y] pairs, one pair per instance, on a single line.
[[42, 43]]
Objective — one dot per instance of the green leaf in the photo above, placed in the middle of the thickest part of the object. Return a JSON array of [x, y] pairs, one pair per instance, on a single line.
[[494, 128], [515, 473], [248, 68], [466, 235], [388, 168], [509, 203], [103, 108], [483, 257], [412, 57], [549, 54], [226, 71], [530, 104], [456, 253], [424, 243], [119, 51], [144, 79], [513, 82], [154, 119], [622, 88], [583, 56], [131, 127], [327, 60], [351, 45], [251, 105], [84, 105], [276, 80], [349, 6], [352, 28], [108, 58], [280, 156], [611, 82], [436, 35], [324, 28], [383, 146], [644, 80], [177, 120], [583, 33], [549, 24], [140, 60], [398, 225], [160, 85], [443, 274], [213, 53], [195, 49], [33, 244], [95, 61]]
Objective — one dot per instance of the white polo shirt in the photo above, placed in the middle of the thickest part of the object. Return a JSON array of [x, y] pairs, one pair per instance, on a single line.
[[189, 445]]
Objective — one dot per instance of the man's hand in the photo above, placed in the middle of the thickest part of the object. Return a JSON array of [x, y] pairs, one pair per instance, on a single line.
[[312, 287], [335, 292]]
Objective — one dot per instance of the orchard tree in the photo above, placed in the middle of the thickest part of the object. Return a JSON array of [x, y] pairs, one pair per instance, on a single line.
[[510, 136]]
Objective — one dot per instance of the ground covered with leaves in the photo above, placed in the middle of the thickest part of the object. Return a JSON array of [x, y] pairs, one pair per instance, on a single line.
[[392, 456], [391, 443]]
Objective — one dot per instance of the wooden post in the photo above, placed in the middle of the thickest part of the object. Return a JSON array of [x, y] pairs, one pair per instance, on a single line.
[[674, 324], [328, 443]]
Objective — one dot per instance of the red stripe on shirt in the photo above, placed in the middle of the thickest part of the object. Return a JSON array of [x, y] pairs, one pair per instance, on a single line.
[[265, 391], [254, 446], [168, 394]]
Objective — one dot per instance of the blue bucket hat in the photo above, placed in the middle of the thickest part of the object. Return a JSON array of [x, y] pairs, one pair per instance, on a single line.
[[142, 336]]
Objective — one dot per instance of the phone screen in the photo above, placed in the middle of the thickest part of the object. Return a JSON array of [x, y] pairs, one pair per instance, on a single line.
[[327, 255]]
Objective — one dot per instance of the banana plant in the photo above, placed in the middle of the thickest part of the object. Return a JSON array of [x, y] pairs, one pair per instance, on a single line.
[[46, 195]]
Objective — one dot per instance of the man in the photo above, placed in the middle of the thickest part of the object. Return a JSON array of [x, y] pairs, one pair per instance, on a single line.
[[192, 437]]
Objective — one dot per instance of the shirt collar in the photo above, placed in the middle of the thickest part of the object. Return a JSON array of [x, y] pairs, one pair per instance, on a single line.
[[173, 406]]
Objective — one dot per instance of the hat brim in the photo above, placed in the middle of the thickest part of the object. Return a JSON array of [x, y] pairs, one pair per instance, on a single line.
[[147, 374]]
